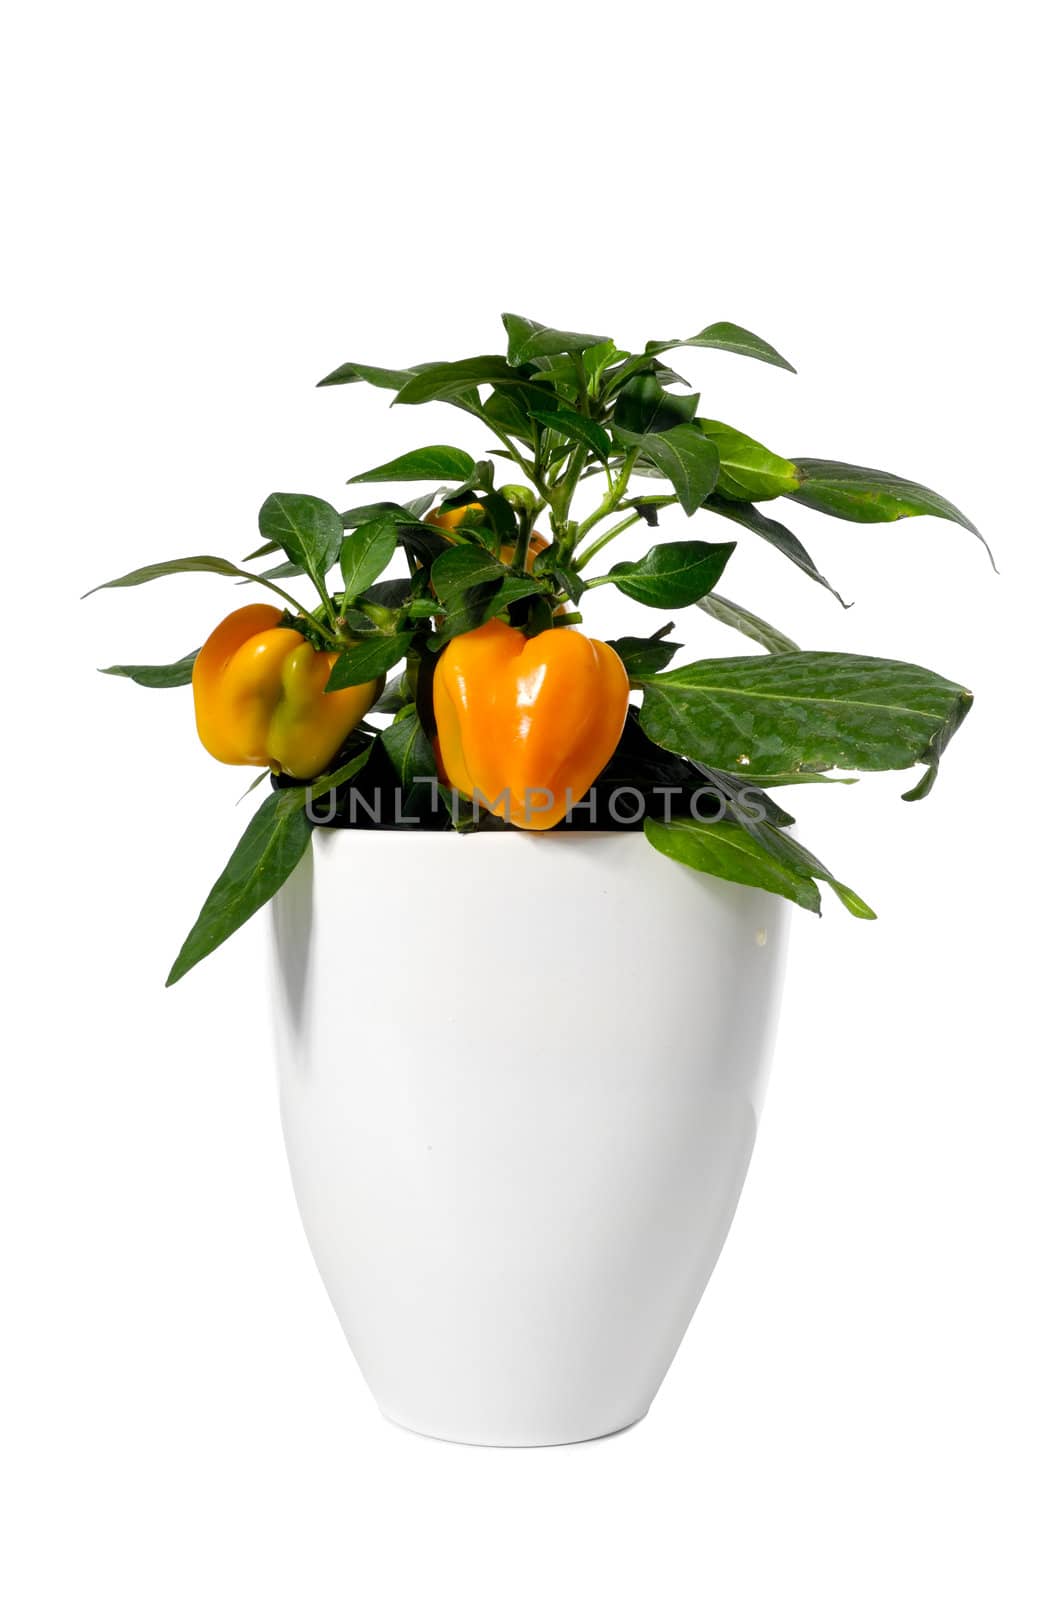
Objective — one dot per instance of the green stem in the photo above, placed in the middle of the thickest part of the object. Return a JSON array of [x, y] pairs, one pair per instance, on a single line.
[[529, 468], [604, 539], [561, 500], [520, 549], [612, 499], [293, 605]]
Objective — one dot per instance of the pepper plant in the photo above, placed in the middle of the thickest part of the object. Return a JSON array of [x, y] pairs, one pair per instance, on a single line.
[[571, 415]]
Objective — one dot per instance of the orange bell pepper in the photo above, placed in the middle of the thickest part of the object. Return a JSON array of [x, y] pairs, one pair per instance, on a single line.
[[526, 725], [260, 699]]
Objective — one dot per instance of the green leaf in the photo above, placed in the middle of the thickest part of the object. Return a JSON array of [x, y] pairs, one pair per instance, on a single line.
[[597, 358], [786, 849], [359, 372], [332, 780], [392, 593], [644, 406], [363, 556], [464, 567], [514, 588], [529, 340], [271, 848], [469, 609], [641, 657], [508, 408], [283, 569], [174, 676], [726, 850], [781, 780], [786, 713], [773, 533], [573, 425], [433, 461], [165, 569], [755, 628], [748, 470], [379, 511], [408, 748], [725, 336], [669, 575], [684, 456], [369, 659], [396, 694], [253, 785], [308, 530], [445, 380], [863, 494]]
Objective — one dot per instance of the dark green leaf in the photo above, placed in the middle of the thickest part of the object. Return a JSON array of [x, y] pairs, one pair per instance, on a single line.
[[479, 480], [755, 628], [684, 456], [283, 569], [863, 494], [165, 569], [444, 380], [597, 358], [470, 608], [174, 676], [396, 694], [772, 714], [513, 589], [359, 372], [379, 510], [748, 470], [528, 340], [641, 657], [308, 530], [572, 425], [408, 748], [725, 336], [675, 574], [508, 409], [369, 659], [393, 592], [269, 851], [726, 850], [773, 533], [786, 780], [433, 461], [342, 774], [418, 507], [643, 406], [464, 567], [765, 821], [363, 556], [747, 803], [786, 849]]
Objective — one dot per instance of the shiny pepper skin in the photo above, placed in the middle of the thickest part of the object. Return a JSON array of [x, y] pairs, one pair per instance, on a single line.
[[260, 700], [526, 725]]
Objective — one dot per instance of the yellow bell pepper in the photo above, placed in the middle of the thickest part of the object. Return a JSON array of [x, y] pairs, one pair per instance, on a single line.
[[260, 700], [526, 725]]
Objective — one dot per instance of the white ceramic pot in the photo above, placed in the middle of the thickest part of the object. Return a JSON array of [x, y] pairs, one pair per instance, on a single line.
[[520, 1077]]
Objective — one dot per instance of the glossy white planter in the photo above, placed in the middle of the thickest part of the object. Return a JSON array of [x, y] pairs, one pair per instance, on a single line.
[[520, 1078]]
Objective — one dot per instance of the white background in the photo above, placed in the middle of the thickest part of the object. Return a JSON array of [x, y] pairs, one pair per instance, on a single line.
[[210, 207]]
